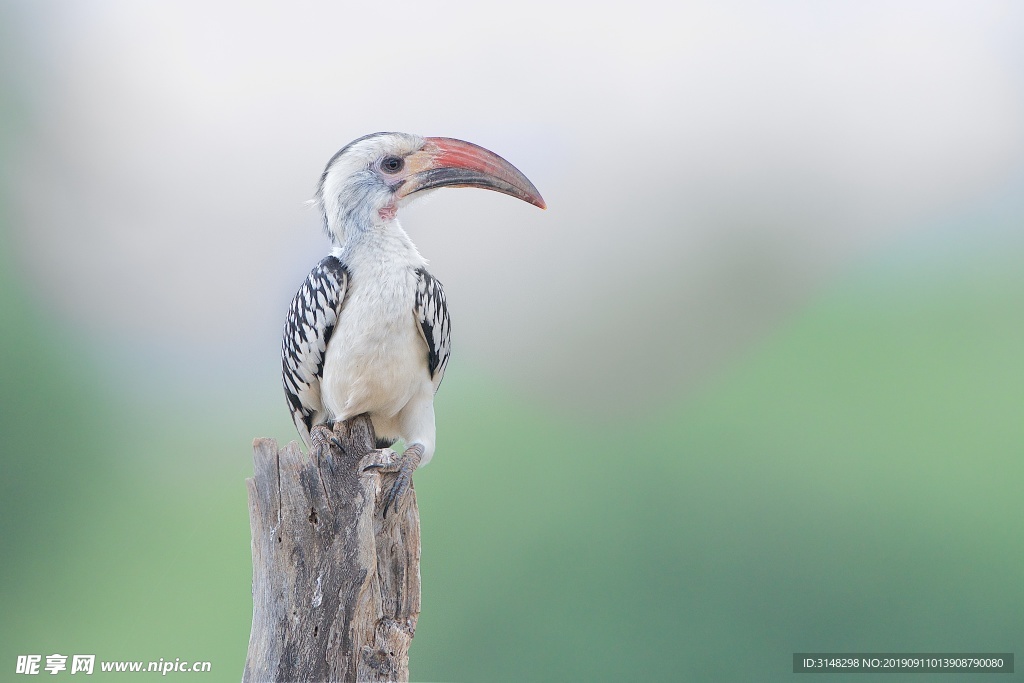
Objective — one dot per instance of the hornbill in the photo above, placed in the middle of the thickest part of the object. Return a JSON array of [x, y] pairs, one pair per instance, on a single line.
[[368, 331]]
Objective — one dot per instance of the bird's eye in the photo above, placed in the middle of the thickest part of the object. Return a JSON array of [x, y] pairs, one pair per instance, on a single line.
[[391, 164]]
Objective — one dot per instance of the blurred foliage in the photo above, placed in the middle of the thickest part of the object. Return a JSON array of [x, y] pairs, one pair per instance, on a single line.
[[851, 485]]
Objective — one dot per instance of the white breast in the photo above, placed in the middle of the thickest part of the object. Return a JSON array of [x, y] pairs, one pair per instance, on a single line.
[[376, 361]]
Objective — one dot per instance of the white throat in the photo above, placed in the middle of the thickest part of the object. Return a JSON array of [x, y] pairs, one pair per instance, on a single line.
[[382, 246]]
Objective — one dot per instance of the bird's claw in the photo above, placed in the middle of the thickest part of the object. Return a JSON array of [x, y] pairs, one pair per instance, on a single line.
[[410, 461], [400, 486], [320, 438]]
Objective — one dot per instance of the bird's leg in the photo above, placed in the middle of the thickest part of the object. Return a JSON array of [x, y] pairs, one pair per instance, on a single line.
[[321, 438], [410, 460]]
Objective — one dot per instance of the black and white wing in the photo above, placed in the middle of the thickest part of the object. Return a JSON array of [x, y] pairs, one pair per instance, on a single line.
[[311, 319], [432, 315]]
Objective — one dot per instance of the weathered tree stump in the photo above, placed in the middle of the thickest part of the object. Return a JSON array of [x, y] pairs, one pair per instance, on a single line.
[[335, 586]]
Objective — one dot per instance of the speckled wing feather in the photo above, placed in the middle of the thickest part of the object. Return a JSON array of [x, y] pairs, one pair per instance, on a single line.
[[307, 331], [432, 315]]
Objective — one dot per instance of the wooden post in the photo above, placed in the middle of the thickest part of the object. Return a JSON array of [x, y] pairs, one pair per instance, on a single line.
[[335, 586]]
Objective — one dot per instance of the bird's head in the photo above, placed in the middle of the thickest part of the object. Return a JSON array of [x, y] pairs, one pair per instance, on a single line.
[[369, 179]]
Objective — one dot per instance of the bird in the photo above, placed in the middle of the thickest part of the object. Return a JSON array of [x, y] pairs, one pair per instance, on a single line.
[[368, 331]]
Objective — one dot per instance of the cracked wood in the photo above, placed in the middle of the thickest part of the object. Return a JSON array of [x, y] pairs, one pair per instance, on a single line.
[[336, 587]]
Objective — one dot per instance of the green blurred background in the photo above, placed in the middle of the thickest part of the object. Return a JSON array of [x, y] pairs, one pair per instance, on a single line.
[[845, 476]]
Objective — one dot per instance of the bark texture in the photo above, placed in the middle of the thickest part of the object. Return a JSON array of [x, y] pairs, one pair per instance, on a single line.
[[336, 587]]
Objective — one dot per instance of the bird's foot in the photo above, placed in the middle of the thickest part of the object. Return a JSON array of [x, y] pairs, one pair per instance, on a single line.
[[386, 460], [410, 461], [321, 438]]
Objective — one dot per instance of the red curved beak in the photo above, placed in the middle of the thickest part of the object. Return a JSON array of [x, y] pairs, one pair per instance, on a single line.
[[447, 162]]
